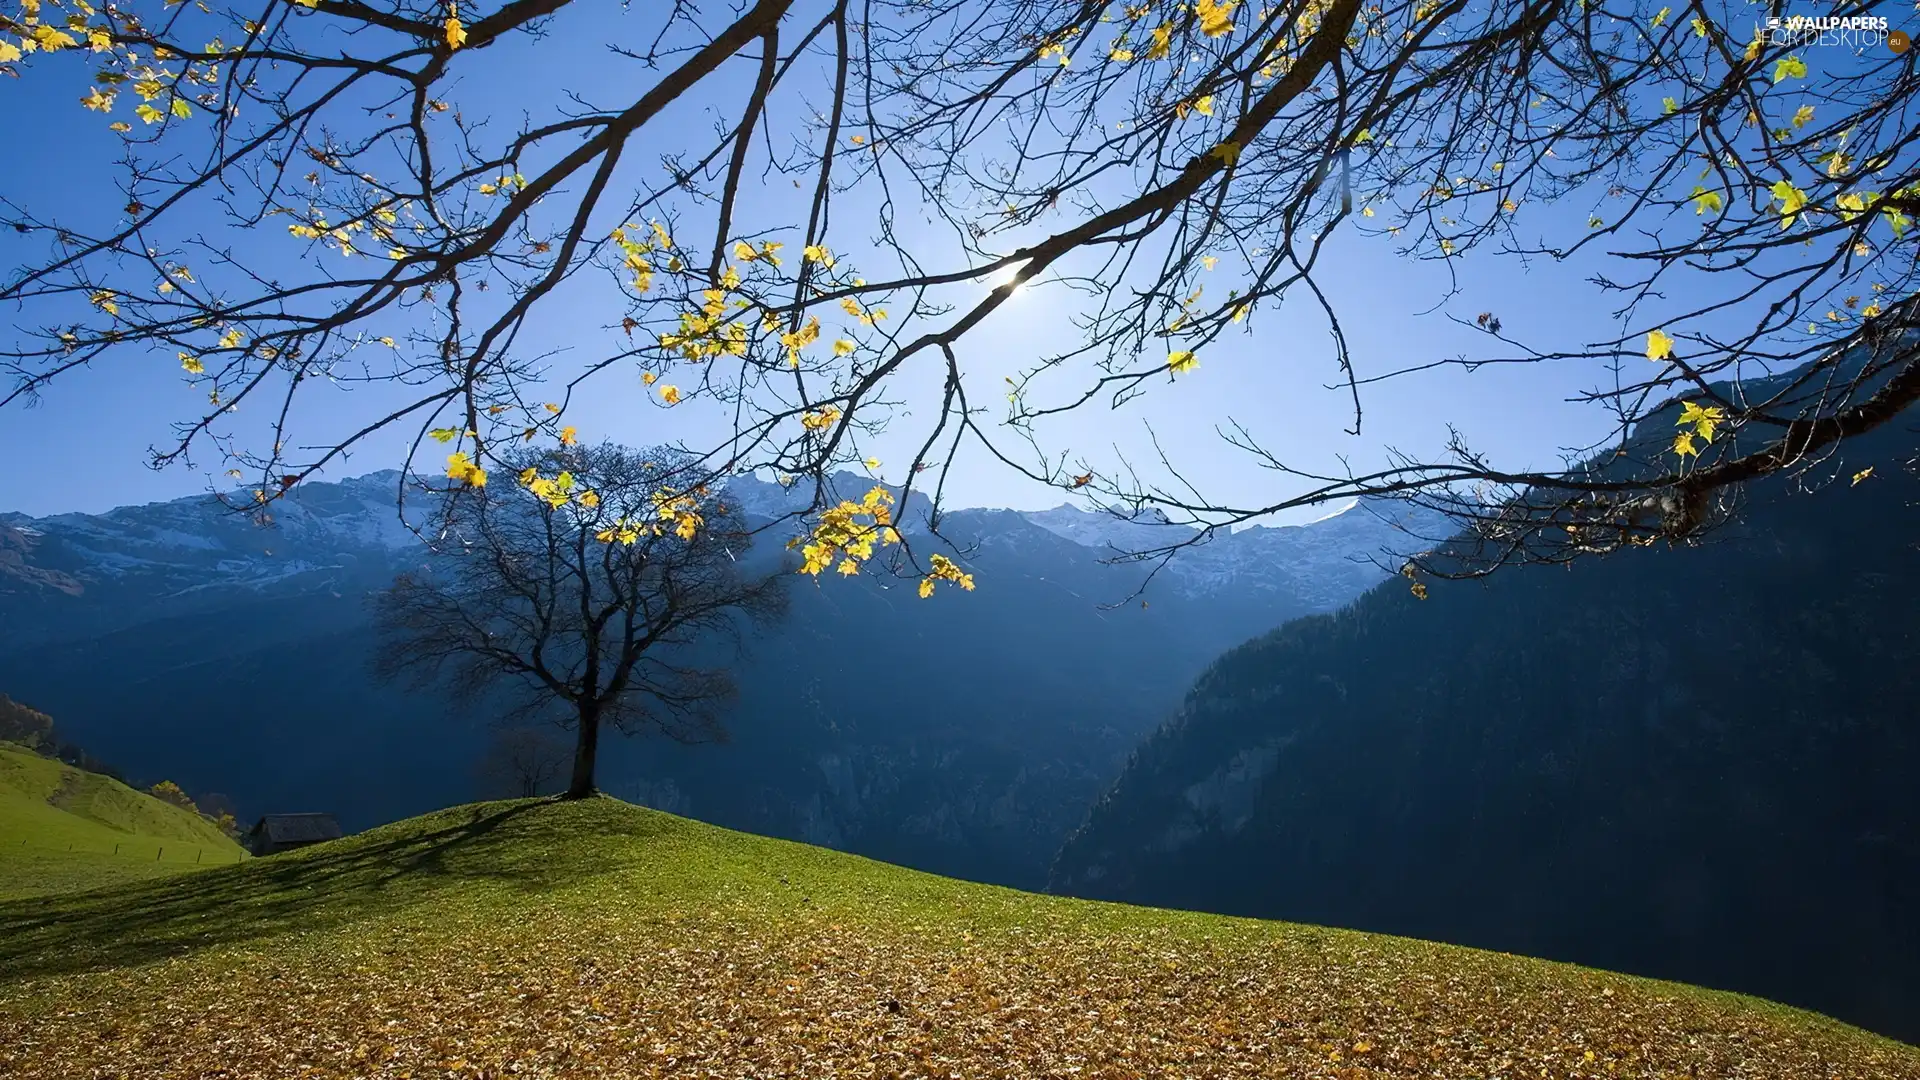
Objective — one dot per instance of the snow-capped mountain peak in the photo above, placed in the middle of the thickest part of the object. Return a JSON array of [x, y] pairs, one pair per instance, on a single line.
[[349, 535]]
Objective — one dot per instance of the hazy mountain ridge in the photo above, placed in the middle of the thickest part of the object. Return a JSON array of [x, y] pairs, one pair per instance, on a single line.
[[966, 733], [195, 543], [134, 564]]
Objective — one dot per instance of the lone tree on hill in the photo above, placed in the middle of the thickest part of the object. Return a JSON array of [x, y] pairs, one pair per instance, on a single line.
[[802, 213], [521, 762], [586, 595]]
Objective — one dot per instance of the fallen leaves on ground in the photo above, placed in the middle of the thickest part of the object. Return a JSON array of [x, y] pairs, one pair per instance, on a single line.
[[562, 996], [772, 973]]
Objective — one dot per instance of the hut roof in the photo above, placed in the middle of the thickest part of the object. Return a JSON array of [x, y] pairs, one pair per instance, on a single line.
[[298, 828]]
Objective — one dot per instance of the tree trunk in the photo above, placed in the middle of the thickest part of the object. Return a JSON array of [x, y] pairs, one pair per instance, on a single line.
[[584, 753]]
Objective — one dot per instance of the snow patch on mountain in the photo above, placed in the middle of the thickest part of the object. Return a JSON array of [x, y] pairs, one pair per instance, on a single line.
[[323, 530], [1325, 562]]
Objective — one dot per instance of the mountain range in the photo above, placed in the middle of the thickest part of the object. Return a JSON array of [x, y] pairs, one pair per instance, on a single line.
[[965, 734]]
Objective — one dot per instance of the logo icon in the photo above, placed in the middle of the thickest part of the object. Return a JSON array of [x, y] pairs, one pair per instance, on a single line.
[[1898, 41]]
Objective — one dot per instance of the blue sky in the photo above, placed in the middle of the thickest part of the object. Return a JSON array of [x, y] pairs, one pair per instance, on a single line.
[[87, 440]]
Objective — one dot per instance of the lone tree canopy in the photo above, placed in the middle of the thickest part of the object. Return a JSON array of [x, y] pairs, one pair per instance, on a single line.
[[324, 193], [589, 598]]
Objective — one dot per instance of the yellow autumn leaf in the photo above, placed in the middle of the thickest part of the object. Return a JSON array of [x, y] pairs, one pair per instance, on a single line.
[[1792, 201], [843, 347], [456, 33], [670, 395], [1162, 38], [462, 468], [192, 364], [1659, 345], [53, 39], [1704, 420], [569, 435], [1215, 17], [1181, 362]]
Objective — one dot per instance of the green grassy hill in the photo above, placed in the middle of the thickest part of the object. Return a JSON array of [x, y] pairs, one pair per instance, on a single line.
[[598, 939], [63, 829]]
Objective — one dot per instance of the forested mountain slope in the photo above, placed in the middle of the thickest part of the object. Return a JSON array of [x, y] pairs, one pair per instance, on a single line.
[[1697, 764]]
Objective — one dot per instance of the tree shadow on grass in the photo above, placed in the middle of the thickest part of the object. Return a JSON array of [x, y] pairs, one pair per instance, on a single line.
[[530, 846]]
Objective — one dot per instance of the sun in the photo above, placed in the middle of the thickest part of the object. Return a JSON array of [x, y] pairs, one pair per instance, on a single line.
[[1005, 281]]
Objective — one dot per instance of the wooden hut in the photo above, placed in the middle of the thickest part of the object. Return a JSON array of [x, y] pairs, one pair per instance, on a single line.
[[284, 832]]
